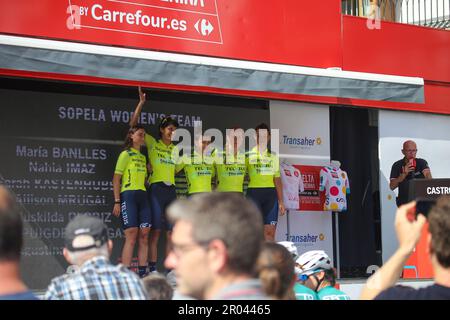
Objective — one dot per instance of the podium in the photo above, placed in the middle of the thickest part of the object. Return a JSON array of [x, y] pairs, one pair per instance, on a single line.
[[427, 188], [419, 264]]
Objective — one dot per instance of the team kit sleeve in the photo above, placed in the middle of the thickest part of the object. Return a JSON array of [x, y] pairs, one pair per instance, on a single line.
[[122, 163], [149, 141], [276, 163], [181, 162]]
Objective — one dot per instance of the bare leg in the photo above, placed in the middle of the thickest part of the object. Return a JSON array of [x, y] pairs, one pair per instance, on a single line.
[[130, 240], [153, 248], [269, 232], [143, 246]]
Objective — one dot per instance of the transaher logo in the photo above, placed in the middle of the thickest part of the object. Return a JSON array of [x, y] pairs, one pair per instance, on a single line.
[[307, 238], [301, 142]]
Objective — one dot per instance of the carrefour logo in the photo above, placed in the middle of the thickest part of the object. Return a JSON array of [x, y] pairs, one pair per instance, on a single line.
[[308, 238], [301, 141]]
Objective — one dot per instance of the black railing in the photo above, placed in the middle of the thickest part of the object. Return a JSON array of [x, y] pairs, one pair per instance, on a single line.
[[428, 13]]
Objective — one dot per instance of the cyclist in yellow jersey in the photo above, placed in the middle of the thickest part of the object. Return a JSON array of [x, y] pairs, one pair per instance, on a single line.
[[265, 187], [164, 161], [131, 200], [230, 163], [199, 167]]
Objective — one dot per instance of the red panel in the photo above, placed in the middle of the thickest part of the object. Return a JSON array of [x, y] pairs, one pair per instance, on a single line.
[[297, 32], [397, 49], [314, 199], [437, 97]]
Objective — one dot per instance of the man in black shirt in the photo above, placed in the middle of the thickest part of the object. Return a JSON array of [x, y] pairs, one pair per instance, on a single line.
[[406, 169], [380, 286]]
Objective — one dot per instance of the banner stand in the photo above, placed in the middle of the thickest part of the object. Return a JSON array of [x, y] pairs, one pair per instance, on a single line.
[[336, 241], [288, 233]]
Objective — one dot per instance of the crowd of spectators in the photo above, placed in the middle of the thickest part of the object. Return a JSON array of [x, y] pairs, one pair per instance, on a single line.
[[221, 237]]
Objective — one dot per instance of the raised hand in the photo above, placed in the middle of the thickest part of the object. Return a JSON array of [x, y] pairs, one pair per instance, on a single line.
[[142, 95]]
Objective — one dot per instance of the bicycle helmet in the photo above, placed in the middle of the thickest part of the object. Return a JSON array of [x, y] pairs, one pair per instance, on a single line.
[[313, 261]]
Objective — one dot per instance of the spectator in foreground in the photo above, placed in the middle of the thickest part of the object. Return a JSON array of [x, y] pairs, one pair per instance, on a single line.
[[88, 247], [11, 240], [216, 239], [301, 291], [381, 285], [157, 287], [275, 269]]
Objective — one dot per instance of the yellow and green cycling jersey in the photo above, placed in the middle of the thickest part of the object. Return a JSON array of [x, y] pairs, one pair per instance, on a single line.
[[199, 172], [262, 168], [164, 160], [230, 170], [132, 165]]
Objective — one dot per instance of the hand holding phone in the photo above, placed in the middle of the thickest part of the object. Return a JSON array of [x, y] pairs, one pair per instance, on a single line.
[[408, 226]]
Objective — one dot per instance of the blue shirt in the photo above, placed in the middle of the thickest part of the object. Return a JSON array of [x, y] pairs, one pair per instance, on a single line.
[[97, 279], [27, 295], [399, 292]]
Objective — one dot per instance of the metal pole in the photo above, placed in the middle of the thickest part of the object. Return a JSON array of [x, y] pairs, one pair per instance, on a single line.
[[338, 262], [288, 232]]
